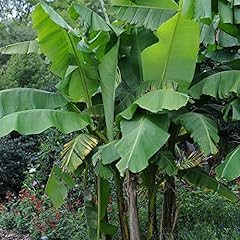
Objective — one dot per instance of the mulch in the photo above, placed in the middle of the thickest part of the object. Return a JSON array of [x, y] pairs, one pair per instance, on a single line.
[[9, 235]]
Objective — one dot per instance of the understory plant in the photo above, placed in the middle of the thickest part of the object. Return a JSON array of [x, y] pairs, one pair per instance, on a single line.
[[134, 91]]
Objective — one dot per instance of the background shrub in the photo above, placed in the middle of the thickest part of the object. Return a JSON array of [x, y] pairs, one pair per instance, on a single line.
[[15, 154]]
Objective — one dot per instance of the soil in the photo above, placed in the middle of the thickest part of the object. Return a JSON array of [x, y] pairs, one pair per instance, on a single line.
[[9, 235]]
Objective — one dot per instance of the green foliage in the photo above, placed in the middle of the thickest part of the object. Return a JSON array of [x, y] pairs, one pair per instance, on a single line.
[[201, 216], [142, 138], [198, 125], [34, 215], [27, 71], [155, 73], [229, 168], [160, 62], [15, 154]]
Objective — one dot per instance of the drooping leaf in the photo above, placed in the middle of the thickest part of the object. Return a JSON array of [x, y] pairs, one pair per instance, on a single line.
[[58, 185], [140, 16], [91, 216], [230, 169], [228, 13], [76, 150], [226, 40], [160, 61], [20, 99], [199, 178], [103, 171], [232, 110], [203, 130], [129, 96], [141, 139], [208, 32], [167, 163], [225, 11], [109, 153], [36, 121], [105, 194], [108, 228], [222, 56], [220, 85], [156, 101], [21, 48], [94, 21], [168, 4], [108, 74], [131, 64], [58, 41]]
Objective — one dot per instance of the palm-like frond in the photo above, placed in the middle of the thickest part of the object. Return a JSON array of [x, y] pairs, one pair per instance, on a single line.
[[76, 150], [196, 158], [149, 18]]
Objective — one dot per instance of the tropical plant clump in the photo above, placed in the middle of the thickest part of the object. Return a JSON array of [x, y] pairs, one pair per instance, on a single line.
[[135, 92]]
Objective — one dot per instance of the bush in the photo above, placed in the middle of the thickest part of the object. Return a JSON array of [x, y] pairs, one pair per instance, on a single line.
[[27, 71], [35, 215], [205, 215], [15, 154]]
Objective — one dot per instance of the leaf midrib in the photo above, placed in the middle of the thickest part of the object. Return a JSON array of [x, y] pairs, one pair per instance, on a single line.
[[228, 162], [136, 139], [169, 51], [208, 133]]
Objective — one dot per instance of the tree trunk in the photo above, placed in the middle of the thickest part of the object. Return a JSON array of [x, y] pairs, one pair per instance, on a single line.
[[132, 206], [121, 208], [169, 210], [152, 218]]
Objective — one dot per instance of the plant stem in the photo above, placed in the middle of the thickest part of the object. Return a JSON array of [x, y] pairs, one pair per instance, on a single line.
[[85, 177], [121, 206], [152, 228], [99, 207], [132, 206], [169, 209], [104, 11]]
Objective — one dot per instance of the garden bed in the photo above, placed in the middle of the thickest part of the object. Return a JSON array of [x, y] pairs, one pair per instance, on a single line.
[[10, 235]]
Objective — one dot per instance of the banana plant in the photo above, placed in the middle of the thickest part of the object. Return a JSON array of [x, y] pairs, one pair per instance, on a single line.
[[132, 91]]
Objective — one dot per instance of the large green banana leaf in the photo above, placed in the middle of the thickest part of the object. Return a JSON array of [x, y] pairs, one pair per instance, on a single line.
[[58, 41], [230, 169], [20, 99], [142, 16], [199, 178], [203, 130], [108, 74], [220, 85], [37, 120], [167, 4], [142, 138], [173, 58], [21, 48], [156, 101], [76, 150]]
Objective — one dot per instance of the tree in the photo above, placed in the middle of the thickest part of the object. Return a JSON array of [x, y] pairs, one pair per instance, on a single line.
[[132, 90]]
